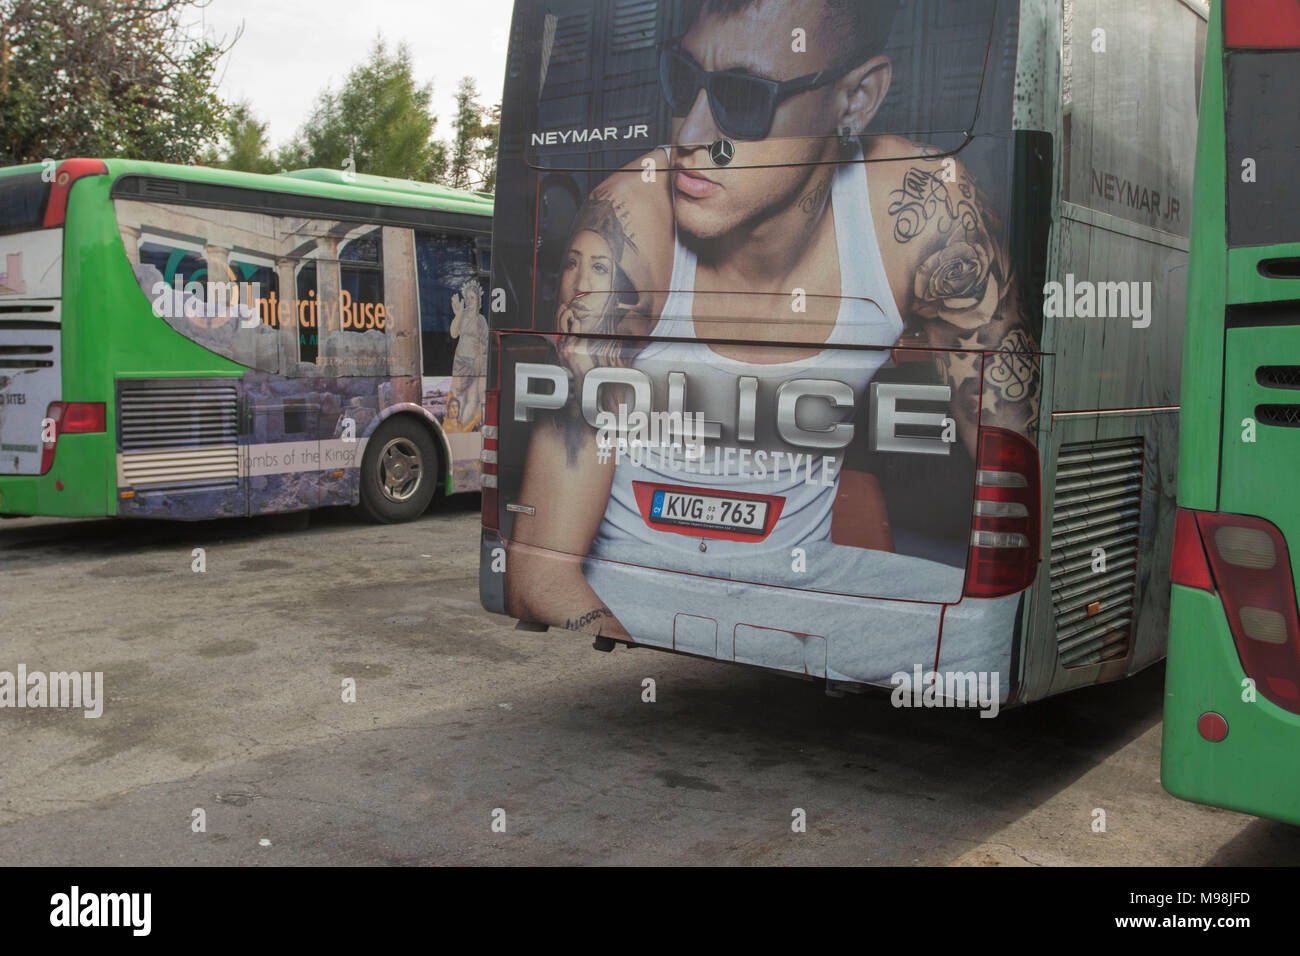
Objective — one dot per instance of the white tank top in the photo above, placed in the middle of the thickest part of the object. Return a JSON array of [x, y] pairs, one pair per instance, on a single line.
[[868, 316]]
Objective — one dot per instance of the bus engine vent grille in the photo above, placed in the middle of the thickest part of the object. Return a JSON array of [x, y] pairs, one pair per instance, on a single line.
[[1285, 415], [1278, 376], [1095, 533], [179, 435]]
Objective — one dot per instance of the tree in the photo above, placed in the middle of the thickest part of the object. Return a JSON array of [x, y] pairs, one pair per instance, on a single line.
[[126, 78], [244, 146], [380, 118], [473, 152], [486, 164]]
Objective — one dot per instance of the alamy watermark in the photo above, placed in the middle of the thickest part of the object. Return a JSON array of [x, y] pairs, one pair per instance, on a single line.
[[209, 300], [1084, 299], [951, 689], [130, 910], [684, 432], [63, 689]]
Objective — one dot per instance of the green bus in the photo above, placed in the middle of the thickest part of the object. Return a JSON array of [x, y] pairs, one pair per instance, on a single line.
[[1232, 701], [192, 343]]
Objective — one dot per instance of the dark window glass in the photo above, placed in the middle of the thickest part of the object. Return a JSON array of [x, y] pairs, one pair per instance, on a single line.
[[22, 202], [361, 279], [172, 262], [307, 310], [261, 283], [445, 266], [1263, 127]]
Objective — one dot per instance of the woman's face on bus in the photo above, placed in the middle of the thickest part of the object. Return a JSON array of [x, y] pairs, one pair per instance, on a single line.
[[587, 278], [711, 201]]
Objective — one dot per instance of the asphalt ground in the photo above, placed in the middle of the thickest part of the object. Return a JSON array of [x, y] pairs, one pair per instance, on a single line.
[[224, 693]]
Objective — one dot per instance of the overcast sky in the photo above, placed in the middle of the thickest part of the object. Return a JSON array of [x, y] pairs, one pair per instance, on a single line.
[[291, 49]]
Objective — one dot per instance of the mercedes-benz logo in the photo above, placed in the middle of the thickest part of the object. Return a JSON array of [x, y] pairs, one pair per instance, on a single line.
[[722, 152]]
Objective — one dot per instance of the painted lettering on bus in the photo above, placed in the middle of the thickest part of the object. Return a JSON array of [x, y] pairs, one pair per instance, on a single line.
[[596, 134], [1111, 187], [213, 299], [540, 387]]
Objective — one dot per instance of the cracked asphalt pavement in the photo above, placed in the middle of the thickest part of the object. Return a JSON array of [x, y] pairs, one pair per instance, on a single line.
[[225, 694]]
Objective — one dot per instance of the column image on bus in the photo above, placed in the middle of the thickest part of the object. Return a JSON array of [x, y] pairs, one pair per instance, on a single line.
[[191, 343], [1232, 684], [838, 337]]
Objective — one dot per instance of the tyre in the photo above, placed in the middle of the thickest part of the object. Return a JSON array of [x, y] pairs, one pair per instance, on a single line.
[[399, 472]]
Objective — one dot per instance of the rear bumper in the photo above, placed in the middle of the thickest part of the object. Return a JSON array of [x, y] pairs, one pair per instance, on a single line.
[[82, 466], [1254, 769], [841, 638]]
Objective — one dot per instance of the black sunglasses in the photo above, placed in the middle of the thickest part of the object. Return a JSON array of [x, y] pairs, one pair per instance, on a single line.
[[743, 104]]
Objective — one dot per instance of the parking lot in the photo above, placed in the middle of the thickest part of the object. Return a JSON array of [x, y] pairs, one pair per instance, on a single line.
[[224, 693]]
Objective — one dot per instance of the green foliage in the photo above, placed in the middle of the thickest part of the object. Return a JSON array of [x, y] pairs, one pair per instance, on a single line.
[[380, 118], [472, 163], [131, 78], [122, 78], [244, 146]]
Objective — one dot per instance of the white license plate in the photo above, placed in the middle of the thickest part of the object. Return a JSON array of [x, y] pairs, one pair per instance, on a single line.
[[707, 511]]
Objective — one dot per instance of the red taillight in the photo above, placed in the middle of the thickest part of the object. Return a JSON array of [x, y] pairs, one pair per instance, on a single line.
[[1190, 567], [1261, 24], [490, 518], [1252, 569], [70, 418], [82, 418], [1006, 524], [65, 174]]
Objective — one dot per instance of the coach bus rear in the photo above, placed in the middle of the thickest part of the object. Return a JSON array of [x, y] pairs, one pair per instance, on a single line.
[[1232, 702], [841, 338]]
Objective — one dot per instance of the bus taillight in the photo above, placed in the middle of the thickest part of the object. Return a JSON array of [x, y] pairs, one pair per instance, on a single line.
[[1261, 24], [1252, 569], [489, 461], [70, 418], [1190, 567], [1007, 518]]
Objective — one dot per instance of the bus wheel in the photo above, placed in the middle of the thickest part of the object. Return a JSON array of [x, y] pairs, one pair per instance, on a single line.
[[399, 472]]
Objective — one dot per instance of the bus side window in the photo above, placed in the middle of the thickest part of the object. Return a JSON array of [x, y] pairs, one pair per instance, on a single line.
[[352, 337], [453, 329], [1130, 129], [305, 311], [446, 268]]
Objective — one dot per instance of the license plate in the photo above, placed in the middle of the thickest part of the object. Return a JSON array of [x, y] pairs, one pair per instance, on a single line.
[[708, 511]]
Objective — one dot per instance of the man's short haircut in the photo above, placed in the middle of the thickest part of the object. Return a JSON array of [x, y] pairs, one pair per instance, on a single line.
[[861, 27]]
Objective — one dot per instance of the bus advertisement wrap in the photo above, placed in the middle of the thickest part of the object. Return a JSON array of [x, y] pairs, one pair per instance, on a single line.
[[29, 366], [769, 301], [331, 318]]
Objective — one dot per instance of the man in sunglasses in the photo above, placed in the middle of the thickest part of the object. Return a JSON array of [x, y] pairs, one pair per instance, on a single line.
[[774, 236]]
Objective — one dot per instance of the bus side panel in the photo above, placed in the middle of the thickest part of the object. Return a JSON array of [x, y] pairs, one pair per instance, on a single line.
[[1099, 610], [1254, 769], [346, 324]]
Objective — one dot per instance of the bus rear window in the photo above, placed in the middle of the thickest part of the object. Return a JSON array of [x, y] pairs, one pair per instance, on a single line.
[[22, 202], [1263, 128], [615, 81]]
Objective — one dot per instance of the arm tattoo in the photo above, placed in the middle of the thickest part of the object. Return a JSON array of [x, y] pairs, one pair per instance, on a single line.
[[964, 293], [925, 198], [1012, 368], [585, 621]]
